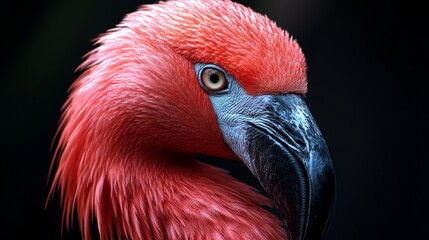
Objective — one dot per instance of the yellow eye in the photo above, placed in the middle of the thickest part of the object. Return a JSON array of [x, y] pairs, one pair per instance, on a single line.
[[214, 80]]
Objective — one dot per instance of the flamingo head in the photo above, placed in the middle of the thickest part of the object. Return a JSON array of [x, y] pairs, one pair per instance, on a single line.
[[201, 77]]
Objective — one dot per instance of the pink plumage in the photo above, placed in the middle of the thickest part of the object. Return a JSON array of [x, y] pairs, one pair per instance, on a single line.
[[136, 118]]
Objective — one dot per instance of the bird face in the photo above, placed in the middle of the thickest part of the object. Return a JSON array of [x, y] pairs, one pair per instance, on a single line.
[[204, 77], [279, 141]]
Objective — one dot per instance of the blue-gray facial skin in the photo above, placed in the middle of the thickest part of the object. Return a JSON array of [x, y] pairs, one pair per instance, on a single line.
[[279, 141]]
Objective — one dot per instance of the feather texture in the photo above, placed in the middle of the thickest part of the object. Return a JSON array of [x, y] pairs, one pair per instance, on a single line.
[[136, 117]]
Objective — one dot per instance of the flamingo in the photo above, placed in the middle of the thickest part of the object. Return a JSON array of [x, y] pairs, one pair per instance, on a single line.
[[181, 78]]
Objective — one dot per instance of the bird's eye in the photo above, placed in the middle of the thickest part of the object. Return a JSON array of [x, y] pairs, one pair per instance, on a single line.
[[214, 79]]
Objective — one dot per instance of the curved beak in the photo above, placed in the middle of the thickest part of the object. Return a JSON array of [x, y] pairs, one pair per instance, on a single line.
[[281, 144]]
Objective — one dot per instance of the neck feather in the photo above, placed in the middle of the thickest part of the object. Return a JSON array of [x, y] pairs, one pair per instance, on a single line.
[[161, 196]]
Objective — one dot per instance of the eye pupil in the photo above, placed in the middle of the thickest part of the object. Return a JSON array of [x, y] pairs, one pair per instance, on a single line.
[[214, 78]]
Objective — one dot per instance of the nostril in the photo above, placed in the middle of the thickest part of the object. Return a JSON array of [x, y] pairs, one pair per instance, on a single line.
[[301, 143]]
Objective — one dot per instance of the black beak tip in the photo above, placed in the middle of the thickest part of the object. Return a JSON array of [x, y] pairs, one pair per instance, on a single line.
[[292, 162]]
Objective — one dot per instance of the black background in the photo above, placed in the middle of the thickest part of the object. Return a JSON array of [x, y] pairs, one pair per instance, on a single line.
[[367, 90]]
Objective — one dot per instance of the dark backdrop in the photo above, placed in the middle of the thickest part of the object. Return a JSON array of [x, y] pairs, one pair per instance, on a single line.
[[367, 90]]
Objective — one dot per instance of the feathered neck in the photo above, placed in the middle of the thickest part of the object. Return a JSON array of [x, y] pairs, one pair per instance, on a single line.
[[158, 196]]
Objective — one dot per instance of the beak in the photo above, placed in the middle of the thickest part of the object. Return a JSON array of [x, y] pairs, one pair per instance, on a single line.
[[281, 144]]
